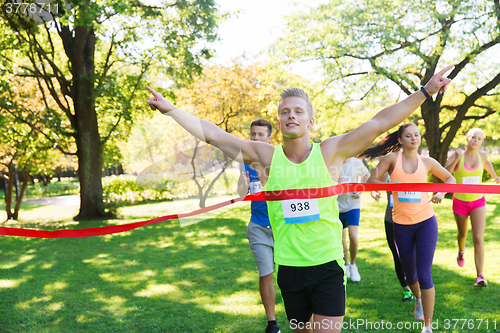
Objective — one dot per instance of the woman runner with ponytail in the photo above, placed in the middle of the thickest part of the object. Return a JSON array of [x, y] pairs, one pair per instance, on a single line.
[[415, 226]]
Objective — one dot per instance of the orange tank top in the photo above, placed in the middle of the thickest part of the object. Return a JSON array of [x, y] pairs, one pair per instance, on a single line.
[[410, 207]]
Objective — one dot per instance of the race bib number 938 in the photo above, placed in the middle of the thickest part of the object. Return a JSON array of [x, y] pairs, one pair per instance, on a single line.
[[300, 210]]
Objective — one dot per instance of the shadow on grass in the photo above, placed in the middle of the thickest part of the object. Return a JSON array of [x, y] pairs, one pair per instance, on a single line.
[[24, 206], [202, 278], [159, 278]]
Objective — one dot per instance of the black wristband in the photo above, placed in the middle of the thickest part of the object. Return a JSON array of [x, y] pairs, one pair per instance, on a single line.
[[426, 94]]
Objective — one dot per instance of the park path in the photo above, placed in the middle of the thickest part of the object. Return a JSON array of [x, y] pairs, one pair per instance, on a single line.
[[63, 200]]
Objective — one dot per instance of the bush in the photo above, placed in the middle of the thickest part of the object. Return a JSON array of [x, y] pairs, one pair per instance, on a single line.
[[65, 187], [120, 191]]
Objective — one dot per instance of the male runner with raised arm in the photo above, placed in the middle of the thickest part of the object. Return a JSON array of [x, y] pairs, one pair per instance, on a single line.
[[307, 232]]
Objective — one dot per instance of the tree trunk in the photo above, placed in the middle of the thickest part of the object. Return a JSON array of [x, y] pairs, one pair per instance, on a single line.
[[8, 193], [21, 194], [203, 197], [16, 182], [432, 135], [88, 140]]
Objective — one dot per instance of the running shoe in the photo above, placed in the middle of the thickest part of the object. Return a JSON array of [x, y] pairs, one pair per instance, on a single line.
[[348, 271], [419, 311], [426, 329], [407, 295], [460, 259], [355, 277], [480, 281], [274, 328]]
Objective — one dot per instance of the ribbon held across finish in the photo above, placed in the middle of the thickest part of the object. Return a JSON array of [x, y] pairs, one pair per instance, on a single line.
[[310, 193]]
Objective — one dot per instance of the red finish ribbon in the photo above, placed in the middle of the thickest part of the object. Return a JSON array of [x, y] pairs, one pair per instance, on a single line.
[[261, 196]]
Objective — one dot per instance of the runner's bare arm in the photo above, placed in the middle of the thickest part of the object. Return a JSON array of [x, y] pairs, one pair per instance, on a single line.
[[363, 180], [452, 161], [252, 151], [439, 171], [386, 165], [357, 141], [375, 195], [243, 182], [489, 167]]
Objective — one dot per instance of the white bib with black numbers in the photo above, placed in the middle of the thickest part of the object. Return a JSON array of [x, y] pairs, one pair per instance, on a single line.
[[255, 187], [409, 196], [297, 211], [471, 180], [344, 179]]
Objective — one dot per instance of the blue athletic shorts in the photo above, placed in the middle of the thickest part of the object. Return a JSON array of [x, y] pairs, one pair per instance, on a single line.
[[350, 217]]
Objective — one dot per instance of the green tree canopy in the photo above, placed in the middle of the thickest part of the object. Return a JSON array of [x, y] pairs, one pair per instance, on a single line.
[[367, 48], [26, 139], [90, 59]]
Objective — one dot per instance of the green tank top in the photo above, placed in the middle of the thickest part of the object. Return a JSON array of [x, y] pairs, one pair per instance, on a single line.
[[464, 175], [307, 232]]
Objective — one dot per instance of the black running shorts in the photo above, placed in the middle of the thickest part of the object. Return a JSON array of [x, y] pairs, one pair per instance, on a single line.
[[315, 289]]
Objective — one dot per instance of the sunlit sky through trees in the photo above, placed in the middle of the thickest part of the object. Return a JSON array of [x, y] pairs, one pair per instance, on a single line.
[[254, 28]]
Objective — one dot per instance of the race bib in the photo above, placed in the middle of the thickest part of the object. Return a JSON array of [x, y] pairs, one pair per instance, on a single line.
[[471, 180], [344, 179], [391, 200], [409, 197], [297, 211], [255, 187]]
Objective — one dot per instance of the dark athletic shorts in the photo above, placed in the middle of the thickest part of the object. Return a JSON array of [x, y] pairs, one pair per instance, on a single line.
[[315, 289]]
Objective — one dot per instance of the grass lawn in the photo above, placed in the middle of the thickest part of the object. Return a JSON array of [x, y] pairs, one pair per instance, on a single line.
[[202, 278]]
